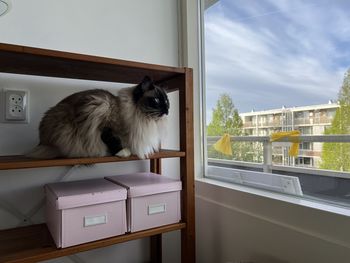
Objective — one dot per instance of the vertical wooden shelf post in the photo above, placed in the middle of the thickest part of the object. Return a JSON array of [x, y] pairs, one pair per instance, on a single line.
[[188, 252], [156, 166], [156, 240]]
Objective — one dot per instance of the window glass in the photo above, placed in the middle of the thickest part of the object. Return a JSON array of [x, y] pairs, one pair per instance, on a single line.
[[277, 66]]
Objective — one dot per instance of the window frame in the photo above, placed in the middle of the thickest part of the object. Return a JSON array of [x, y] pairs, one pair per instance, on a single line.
[[267, 166]]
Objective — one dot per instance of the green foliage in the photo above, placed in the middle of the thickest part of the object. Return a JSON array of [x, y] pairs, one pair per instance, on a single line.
[[241, 151], [344, 94], [336, 156], [226, 119]]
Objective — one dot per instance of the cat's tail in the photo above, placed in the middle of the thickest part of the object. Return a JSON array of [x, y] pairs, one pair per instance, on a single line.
[[43, 152]]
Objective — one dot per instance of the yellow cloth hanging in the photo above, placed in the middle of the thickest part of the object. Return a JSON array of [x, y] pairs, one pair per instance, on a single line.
[[224, 144], [293, 137]]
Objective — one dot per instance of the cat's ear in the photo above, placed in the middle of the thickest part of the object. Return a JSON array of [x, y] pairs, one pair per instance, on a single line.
[[141, 88], [146, 83]]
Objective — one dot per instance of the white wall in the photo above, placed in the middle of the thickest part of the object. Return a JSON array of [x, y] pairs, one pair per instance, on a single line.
[[235, 226], [137, 30]]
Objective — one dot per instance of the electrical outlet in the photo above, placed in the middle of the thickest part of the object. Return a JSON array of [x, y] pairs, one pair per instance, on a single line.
[[16, 112], [16, 105]]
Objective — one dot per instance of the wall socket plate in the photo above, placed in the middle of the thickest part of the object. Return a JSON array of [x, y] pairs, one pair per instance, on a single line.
[[16, 105]]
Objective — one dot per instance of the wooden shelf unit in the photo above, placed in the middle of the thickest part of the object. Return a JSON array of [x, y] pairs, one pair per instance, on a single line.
[[34, 243], [22, 162], [41, 62]]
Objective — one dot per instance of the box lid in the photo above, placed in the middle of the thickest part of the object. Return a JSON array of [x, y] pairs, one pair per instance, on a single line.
[[82, 193], [141, 184]]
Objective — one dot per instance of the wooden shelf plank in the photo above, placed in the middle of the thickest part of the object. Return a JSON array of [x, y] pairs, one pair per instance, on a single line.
[[21, 162], [51, 63], [34, 243]]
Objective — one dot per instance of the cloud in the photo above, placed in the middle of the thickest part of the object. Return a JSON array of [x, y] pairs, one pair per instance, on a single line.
[[266, 54]]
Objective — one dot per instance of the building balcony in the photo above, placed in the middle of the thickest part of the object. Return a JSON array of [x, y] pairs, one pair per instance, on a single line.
[[277, 150], [249, 124], [309, 153], [303, 121], [274, 123], [312, 121], [323, 120]]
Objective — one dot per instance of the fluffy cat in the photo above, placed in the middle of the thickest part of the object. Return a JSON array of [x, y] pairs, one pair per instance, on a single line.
[[96, 123]]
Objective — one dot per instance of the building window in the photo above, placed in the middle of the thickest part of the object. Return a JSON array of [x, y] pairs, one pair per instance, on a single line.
[[308, 130], [278, 66], [305, 146], [304, 161]]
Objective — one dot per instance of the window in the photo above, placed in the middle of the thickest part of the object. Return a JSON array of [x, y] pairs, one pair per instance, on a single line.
[[305, 146], [278, 66], [303, 161], [308, 130]]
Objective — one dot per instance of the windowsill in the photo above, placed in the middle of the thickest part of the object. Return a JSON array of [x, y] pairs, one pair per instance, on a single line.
[[280, 197]]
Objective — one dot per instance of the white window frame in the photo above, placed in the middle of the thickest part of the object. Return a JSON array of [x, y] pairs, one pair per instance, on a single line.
[[267, 165]]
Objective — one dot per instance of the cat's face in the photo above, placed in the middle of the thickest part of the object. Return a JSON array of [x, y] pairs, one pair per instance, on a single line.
[[151, 99]]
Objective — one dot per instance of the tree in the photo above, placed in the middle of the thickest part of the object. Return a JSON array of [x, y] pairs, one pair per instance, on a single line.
[[226, 119], [336, 156]]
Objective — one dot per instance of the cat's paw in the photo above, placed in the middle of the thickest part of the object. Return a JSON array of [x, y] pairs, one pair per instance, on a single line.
[[123, 153]]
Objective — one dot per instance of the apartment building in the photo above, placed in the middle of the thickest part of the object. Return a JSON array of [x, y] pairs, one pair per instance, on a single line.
[[310, 120]]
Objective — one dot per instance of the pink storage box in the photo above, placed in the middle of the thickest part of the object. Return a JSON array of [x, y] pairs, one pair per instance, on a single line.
[[82, 211], [153, 200]]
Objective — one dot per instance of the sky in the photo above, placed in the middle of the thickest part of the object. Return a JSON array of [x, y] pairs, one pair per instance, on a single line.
[[271, 53]]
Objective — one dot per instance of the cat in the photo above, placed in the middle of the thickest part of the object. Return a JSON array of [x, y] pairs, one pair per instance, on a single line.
[[96, 123]]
